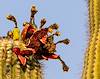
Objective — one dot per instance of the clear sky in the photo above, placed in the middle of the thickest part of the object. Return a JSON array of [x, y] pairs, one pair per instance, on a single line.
[[71, 15]]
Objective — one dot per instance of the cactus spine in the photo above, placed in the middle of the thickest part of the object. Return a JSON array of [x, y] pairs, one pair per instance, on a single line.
[[10, 67], [91, 68]]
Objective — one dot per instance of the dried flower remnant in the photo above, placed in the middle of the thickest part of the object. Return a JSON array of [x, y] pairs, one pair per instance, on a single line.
[[21, 53]]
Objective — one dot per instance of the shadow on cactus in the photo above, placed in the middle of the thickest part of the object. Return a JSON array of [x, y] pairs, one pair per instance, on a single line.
[[37, 43]]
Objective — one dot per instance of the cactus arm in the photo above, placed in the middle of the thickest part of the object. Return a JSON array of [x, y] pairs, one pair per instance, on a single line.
[[91, 68]]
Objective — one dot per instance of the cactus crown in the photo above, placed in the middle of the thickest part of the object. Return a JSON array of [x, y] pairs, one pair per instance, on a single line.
[[23, 52]]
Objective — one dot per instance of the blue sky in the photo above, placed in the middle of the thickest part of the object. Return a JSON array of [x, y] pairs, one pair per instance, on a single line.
[[71, 15]]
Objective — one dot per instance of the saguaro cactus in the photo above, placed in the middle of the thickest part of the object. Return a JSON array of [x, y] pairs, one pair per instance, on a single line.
[[9, 69], [91, 68], [20, 54]]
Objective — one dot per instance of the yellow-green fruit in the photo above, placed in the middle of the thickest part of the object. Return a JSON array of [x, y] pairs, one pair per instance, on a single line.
[[10, 66]]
